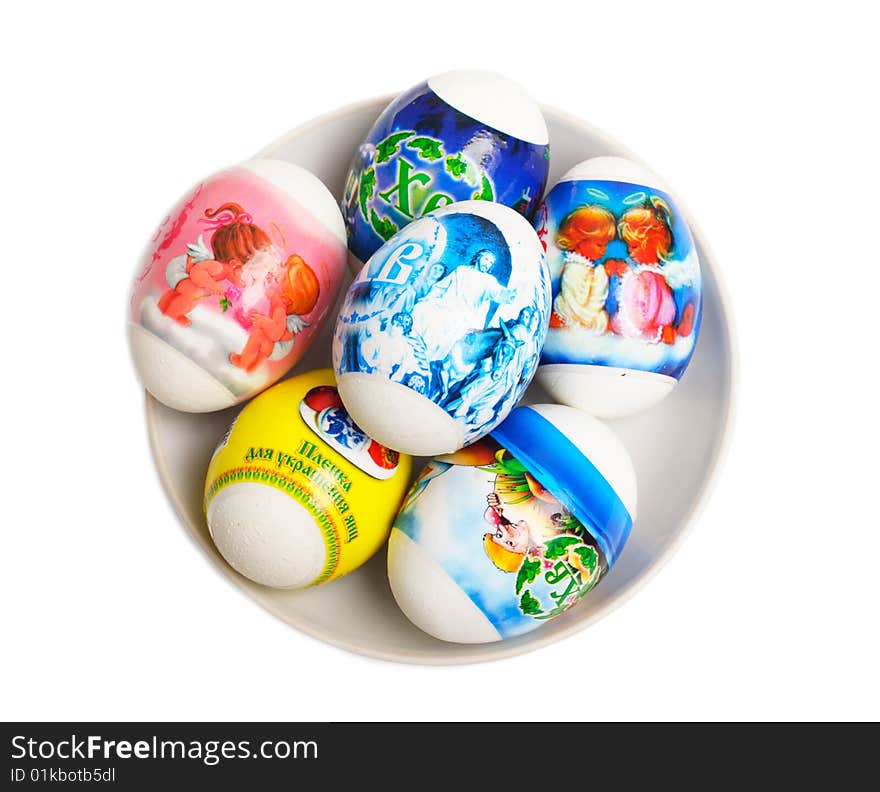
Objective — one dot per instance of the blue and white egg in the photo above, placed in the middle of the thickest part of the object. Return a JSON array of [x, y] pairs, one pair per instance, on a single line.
[[441, 332]]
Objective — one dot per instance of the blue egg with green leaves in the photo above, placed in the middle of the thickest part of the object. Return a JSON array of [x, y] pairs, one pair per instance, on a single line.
[[459, 136]]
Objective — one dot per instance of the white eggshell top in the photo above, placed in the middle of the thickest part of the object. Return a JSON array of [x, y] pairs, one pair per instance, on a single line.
[[494, 100], [265, 535], [303, 186], [614, 169]]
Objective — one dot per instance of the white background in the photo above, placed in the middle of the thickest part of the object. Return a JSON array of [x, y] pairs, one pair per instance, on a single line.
[[763, 117]]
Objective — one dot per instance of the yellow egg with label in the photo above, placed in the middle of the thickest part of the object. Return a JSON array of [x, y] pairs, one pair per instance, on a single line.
[[296, 493]]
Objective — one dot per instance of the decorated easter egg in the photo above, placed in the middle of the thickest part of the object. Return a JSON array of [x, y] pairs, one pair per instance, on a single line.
[[500, 537], [441, 331], [459, 136], [234, 284], [296, 494], [626, 288]]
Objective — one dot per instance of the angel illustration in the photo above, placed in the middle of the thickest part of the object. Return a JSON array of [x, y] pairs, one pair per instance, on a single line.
[[268, 297], [646, 304]]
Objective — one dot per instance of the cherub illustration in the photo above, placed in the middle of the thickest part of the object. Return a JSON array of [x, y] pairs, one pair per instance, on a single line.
[[268, 297], [647, 231], [583, 237], [291, 299], [646, 306], [235, 240]]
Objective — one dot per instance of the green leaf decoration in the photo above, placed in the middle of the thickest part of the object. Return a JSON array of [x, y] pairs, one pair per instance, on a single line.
[[529, 605], [589, 586], [384, 227], [588, 556], [511, 484], [558, 546], [225, 305], [512, 489], [513, 465], [569, 524], [509, 464], [391, 145], [561, 607], [456, 166], [486, 193], [428, 148], [527, 572], [366, 188], [510, 474]]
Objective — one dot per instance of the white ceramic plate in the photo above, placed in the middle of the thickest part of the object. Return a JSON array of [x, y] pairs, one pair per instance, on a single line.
[[677, 446]]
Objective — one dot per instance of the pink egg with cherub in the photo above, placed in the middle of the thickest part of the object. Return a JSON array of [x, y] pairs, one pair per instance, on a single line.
[[234, 284]]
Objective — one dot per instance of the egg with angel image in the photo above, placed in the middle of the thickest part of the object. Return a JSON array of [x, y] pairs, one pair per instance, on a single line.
[[234, 284], [500, 537], [627, 290], [458, 136], [441, 331]]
